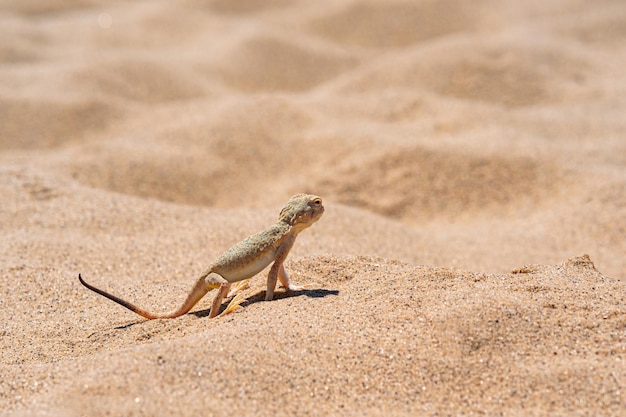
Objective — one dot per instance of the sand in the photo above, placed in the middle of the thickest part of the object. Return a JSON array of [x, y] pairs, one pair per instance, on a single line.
[[472, 161]]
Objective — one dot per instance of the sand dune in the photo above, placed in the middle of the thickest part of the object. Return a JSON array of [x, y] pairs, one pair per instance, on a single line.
[[472, 162]]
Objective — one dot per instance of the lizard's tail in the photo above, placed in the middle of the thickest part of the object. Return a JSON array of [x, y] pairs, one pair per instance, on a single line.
[[198, 291]]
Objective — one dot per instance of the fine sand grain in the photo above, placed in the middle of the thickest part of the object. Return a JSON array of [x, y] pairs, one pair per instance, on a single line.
[[472, 161]]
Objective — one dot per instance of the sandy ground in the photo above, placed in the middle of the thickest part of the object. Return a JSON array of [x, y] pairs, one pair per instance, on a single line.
[[472, 161]]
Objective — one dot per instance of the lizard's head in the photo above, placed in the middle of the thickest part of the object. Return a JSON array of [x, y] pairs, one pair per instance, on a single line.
[[301, 211]]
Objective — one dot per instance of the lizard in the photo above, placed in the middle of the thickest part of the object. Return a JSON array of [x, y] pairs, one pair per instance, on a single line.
[[244, 260]]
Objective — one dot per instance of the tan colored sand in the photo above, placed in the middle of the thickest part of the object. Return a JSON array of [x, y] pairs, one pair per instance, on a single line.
[[140, 139]]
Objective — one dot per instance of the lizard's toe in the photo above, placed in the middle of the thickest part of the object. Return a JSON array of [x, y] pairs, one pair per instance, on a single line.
[[235, 304]]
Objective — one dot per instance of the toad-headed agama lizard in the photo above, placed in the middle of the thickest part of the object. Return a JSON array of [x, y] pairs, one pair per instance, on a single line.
[[244, 260]]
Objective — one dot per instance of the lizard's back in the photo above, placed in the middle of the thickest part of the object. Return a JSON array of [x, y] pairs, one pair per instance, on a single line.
[[250, 256]]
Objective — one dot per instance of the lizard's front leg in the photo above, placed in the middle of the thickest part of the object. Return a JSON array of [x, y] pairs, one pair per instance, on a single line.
[[271, 280], [214, 280], [283, 276], [275, 270]]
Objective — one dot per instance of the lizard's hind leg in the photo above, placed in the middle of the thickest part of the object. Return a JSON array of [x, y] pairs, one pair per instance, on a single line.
[[236, 297], [235, 304], [217, 301], [217, 281], [239, 287], [223, 291]]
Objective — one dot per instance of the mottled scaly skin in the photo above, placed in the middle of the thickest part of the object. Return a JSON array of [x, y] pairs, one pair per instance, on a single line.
[[249, 249], [245, 259]]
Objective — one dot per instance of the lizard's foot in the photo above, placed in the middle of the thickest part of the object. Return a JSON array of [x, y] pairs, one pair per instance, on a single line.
[[235, 304], [238, 287], [285, 281], [292, 287]]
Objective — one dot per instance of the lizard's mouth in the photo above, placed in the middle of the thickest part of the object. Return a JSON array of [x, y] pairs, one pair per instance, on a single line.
[[318, 213]]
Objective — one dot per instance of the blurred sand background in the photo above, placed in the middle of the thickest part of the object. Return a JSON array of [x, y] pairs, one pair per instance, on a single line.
[[469, 155]]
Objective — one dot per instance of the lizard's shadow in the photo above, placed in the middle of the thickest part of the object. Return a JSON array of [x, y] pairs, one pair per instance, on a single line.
[[256, 298], [260, 297]]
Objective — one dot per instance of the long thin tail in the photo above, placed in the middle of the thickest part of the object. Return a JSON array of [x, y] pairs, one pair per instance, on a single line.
[[198, 291]]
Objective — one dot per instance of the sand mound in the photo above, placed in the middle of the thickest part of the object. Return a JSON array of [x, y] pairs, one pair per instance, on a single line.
[[266, 64], [599, 26], [36, 7], [508, 339], [31, 123], [511, 75], [418, 184], [397, 24], [241, 146], [145, 81], [243, 7]]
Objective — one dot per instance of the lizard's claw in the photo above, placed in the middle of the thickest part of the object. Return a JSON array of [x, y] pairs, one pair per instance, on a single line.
[[235, 304], [238, 287], [292, 287]]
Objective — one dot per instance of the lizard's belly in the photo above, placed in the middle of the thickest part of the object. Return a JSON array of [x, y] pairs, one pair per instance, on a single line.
[[250, 268]]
